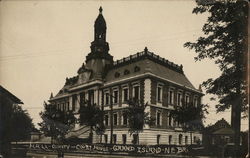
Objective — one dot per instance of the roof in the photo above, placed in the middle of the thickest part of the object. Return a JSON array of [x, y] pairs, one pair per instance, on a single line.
[[100, 22], [224, 131], [220, 124], [151, 63], [144, 62], [10, 95]]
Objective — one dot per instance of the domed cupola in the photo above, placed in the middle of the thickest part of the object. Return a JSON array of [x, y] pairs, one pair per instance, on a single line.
[[99, 56], [100, 27]]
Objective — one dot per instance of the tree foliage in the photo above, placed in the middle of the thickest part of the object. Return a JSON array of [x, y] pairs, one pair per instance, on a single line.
[[21, 124], [91, 115], [15, 124], [56, 123], [137, 117], [224, 41], [190, 116]]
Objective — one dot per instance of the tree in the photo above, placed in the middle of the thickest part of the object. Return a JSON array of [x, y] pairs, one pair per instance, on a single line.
[[91, 115], [225, 41], [190, 116], [137, 117], [21, 124], [56, 123], [15, 124]]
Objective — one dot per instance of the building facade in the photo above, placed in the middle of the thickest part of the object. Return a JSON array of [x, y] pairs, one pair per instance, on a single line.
[[144, 76]]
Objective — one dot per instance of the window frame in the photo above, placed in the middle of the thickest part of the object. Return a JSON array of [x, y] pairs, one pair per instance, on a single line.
[[159, 97], [195, 100], [171, 97], [124, 136], [160, 118], [187, 101], [106, 122], [115, 120], [116, 89], [179, 98], [122, 120], [180, 137], [133, 91], [123, 93], [106, 96]]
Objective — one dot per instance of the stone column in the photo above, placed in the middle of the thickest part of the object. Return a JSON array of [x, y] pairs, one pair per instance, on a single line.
[[147, 96]]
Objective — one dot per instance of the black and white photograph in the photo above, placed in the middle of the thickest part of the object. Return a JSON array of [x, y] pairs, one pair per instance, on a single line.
[[124, 79]]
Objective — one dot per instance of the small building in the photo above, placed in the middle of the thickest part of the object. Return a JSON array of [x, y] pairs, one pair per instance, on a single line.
[[35, 135], [144, 76], [218, 134]]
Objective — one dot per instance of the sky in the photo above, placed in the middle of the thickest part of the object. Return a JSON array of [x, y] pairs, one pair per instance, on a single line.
[[44, 41]]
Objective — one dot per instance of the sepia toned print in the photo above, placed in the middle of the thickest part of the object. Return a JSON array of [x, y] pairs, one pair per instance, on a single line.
[[159, 79]]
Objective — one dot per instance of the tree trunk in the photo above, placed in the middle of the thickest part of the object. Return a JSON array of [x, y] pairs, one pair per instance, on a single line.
[[236, 109]]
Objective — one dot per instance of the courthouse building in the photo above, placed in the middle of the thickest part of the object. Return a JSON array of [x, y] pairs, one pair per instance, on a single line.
[[144, 76]]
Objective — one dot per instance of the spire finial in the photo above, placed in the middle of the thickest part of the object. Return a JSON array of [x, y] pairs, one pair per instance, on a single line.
[[146, 49], [100, 10]]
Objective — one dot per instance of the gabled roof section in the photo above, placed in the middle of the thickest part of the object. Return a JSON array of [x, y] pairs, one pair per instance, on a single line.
[[224, 131], [10, 95], [220, 124]]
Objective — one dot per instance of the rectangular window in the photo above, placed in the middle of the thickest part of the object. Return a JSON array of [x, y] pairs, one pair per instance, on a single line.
[[179, 98], [61, 107], [171, 97], [115, 119], [125, 94], [169, 120], [91, 96], [135, 139], [159, 93], [106, 119], [82, 98], [158, 118], [114, 138], [106, 138], [180, 139], [195, 101], [194, 139], [187, 99], [74, 100], [115, 96], [67, 106], [136, 92], [125, 119], [124, 139], [106, 98], [158, 139], [186, 139]]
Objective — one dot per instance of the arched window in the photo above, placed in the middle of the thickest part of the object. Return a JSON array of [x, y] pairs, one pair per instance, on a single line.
[[170, 139], [117, 74], [180, 138], [186, 139], [126, 72], [137, 68]]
